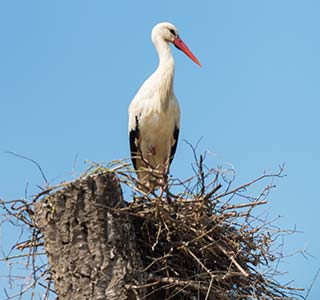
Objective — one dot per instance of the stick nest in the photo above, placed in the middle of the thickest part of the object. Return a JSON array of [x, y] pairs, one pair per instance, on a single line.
[[196, 245], [203, 239]]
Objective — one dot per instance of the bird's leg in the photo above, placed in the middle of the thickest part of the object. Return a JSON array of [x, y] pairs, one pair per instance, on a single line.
[[161, 191], [163, 185], [164, 180], [166, 187]]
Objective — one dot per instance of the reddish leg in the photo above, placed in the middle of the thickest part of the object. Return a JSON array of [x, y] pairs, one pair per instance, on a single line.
[[164, 179]]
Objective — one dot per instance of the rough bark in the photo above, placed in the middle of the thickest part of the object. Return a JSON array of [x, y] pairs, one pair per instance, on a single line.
[[90, 246]]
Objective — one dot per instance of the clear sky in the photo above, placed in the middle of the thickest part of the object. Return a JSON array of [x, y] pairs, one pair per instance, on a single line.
[[69, 69]]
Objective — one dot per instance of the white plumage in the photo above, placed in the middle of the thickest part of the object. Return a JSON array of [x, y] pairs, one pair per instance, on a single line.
[[154, 114]]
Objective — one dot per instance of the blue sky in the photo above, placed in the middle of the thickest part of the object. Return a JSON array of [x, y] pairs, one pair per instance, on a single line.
[[69, 70]]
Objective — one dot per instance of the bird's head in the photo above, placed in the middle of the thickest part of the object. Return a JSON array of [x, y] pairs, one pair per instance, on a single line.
[[169, 33]]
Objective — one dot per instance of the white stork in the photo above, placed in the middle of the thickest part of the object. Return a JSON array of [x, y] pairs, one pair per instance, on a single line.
[[154, 114]]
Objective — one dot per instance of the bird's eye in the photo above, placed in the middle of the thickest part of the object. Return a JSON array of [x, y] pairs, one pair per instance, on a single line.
[[172, 31]]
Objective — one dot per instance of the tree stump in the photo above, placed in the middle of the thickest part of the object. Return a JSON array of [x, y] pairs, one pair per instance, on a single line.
[[90, 245]]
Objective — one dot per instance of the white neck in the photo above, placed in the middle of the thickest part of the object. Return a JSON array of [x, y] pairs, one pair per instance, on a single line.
[[165, 70]]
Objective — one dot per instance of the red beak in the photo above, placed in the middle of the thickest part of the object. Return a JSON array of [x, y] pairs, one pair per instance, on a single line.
[[183, 47]]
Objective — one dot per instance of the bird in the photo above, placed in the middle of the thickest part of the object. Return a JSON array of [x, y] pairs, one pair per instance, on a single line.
[[154, 113]]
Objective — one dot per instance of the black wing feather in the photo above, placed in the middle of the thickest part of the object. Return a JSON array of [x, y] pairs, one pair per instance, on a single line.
[[133, 139], [174, 146]]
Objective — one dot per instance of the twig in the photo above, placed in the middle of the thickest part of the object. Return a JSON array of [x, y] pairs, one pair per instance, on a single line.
[[312, 283], [31, 160]]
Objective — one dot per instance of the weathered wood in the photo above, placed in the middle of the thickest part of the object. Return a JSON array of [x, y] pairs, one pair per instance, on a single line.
[[91, 248]]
